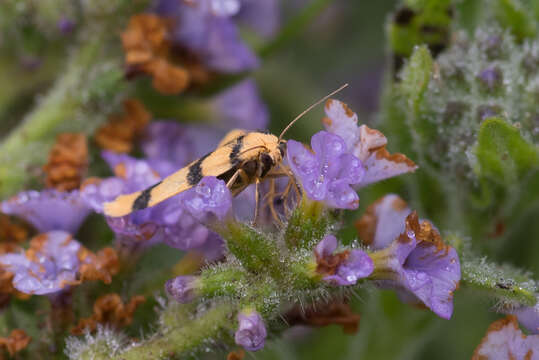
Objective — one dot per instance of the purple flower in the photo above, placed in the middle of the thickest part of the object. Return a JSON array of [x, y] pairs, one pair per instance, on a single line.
[[420, 267], [65, 25], [49, 209], [183, 288], [213, 38], [209, 196], [327, 174], [504, 340], [383, 221], [368, 145], [528, 316], [169, 146], [49, 265], [491, 77], [261, 16], [241, 107], [344, 268], [251, 333]]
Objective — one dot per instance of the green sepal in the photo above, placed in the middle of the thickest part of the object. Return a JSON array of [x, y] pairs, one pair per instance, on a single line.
[[308, 224], [222, 280], [257, 252]]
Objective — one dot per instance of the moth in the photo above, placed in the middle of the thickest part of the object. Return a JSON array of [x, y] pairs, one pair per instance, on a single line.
[[241, 159]]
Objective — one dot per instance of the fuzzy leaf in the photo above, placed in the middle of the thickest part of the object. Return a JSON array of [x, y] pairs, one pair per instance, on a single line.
[[502, 154]]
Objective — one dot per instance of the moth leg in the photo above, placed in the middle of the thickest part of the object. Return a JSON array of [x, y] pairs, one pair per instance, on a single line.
[[257, 199], [271, 202]]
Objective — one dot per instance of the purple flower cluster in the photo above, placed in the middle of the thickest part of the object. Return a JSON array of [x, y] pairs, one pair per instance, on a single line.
[[368, 145], [206, 29], [344, 158], [343, 269], [411, 256], [327, 174], [50, 265], [251, 333]]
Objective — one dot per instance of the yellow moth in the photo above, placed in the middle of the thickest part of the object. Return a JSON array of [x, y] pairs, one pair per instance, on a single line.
[[241, 158]]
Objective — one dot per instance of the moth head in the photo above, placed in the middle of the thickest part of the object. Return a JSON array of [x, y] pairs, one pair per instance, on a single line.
[[282, 148]]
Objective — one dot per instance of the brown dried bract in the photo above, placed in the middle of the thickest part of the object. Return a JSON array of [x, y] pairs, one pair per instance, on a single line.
[[147, 50], [101, 266], [12, 233], [119, 133], [15, 342], [236, 355], [328, 265], [68, 162], [109, 309], [366, 225], [336, 313]]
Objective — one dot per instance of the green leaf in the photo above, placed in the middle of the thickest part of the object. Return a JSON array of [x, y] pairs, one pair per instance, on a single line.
[[416, 76], [517, 17], [502, 154]]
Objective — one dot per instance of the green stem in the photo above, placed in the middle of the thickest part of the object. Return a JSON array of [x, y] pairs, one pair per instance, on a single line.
[[503, 283], [184, 338], [85, 81]]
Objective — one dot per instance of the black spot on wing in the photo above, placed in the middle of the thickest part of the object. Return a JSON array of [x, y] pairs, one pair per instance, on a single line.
[[195, 171], [141, 202], [236, 148]]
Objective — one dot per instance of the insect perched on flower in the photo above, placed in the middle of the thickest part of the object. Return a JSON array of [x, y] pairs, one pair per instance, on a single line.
[[241, 158]]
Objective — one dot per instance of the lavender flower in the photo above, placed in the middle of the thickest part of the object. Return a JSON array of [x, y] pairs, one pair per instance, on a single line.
[[491, 77], [504, 340], [209, 196], [213, 38], [49, 209], [344, 268], [528, 316], [327, 174], [251, 333], [368, 145], [182, 288], [51, 264], [65, 25], [261, 16], [241, 107], [420, 267]]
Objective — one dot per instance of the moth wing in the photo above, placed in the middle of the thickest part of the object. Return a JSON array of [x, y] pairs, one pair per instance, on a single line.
[[213, 164], [231, 136]]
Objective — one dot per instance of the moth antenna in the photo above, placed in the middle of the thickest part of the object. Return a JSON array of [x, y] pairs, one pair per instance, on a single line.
[[309, 109]]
